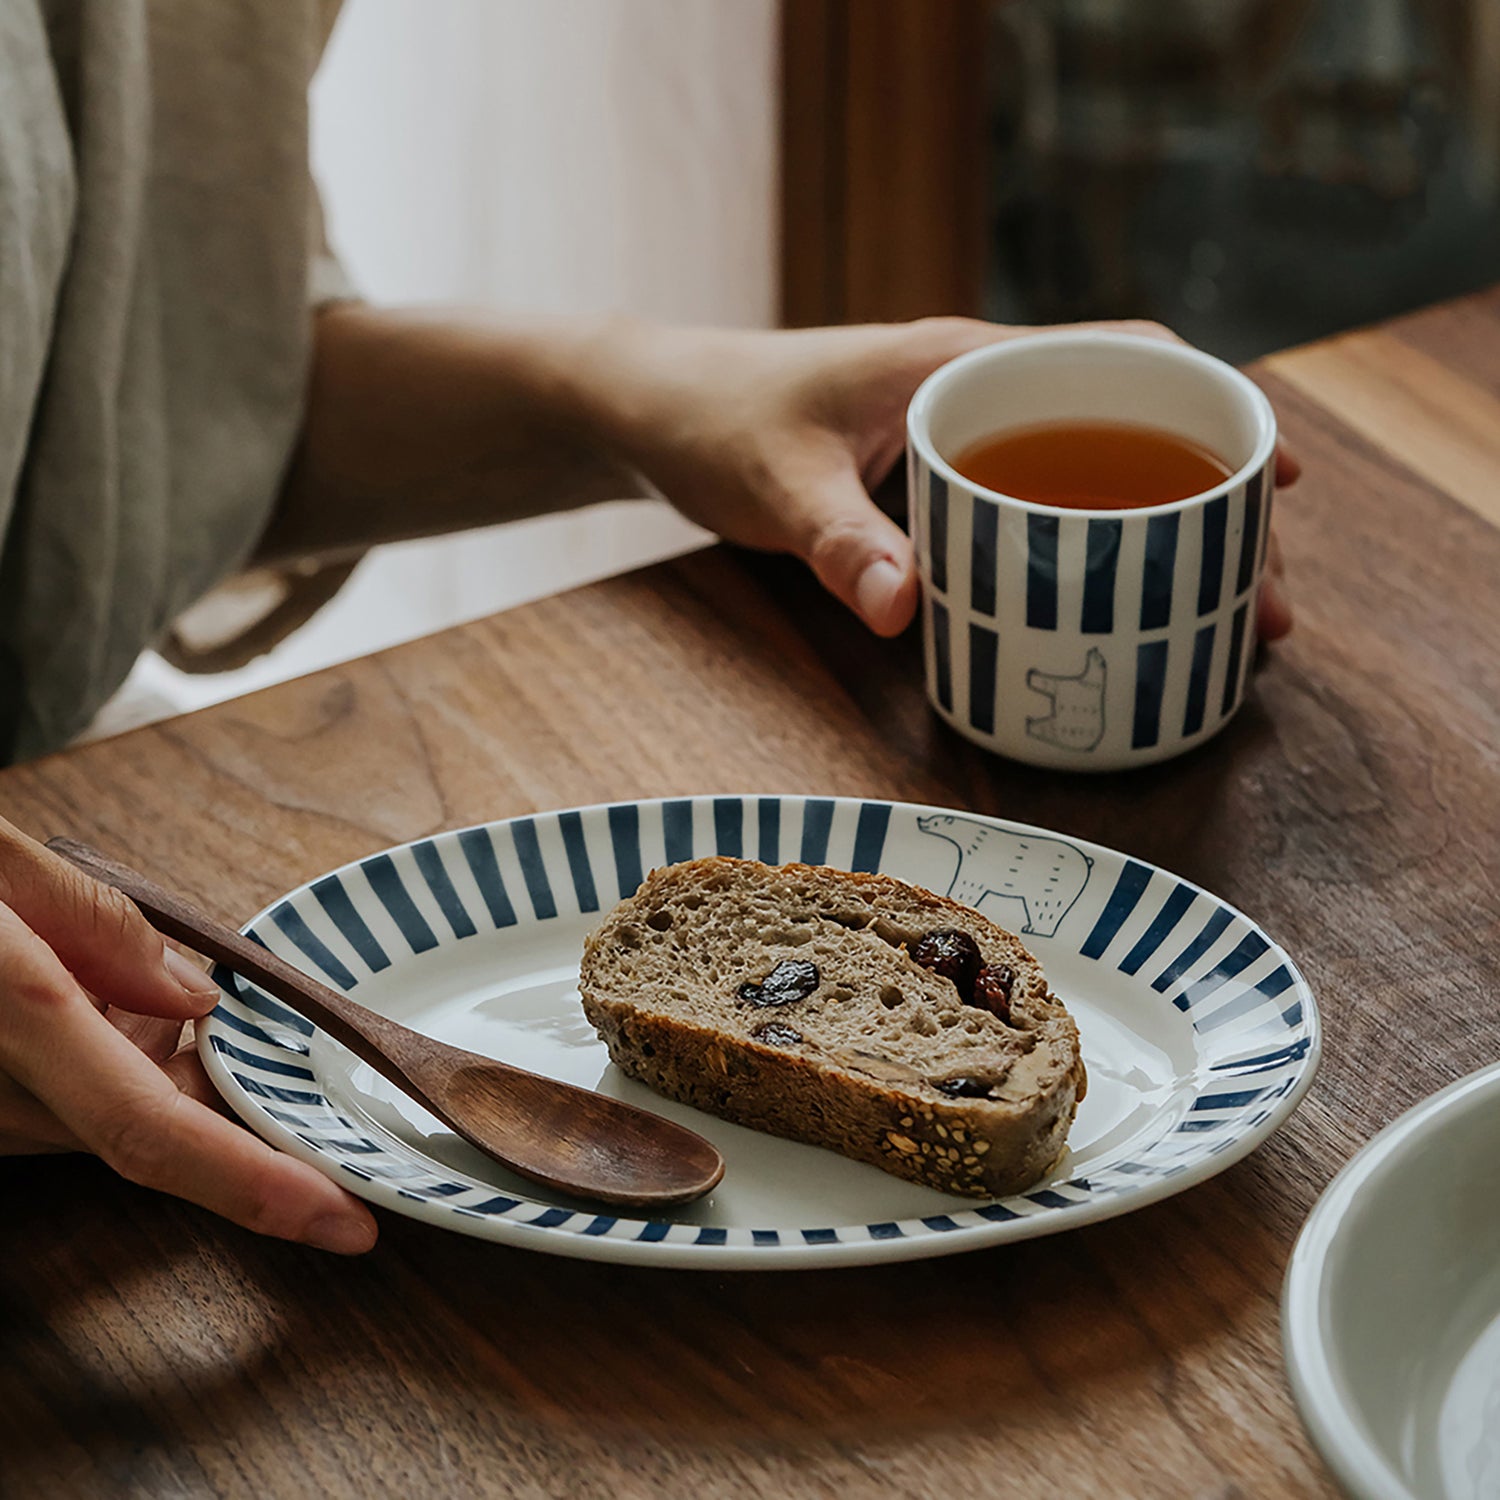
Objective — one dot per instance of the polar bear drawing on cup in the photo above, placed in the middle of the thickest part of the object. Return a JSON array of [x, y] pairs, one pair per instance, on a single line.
[[1045, 875]]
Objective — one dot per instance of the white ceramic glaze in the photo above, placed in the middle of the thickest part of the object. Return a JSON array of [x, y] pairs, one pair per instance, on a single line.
[[1391, 1313]]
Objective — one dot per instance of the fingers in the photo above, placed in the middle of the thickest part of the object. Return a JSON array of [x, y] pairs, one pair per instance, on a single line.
[[859, 555], [98, 934], [1274, 611], [1288, 469], [117, 1103]]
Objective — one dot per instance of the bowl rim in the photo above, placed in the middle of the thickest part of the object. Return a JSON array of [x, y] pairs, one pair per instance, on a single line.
[[1336, 1428]]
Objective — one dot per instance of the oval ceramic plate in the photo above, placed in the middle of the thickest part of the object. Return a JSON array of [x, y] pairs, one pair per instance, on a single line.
[[1198, 1032], [1391, 1317]]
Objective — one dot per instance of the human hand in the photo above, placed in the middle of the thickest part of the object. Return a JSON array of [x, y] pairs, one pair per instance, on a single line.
[[92, 1009], [775, 440]]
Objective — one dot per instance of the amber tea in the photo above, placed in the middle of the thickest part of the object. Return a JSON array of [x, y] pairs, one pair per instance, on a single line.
[[1092, 465]]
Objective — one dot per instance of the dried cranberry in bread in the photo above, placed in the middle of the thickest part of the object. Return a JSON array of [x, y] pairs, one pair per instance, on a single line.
[[791, 999]]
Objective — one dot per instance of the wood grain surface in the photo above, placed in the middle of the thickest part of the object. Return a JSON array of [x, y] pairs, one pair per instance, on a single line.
[[147, 1349]]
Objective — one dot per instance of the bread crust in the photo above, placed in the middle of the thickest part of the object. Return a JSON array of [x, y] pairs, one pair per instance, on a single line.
[[843, 1099]]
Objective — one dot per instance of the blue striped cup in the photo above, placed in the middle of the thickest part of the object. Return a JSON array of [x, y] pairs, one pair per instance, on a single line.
[[1089, 640]]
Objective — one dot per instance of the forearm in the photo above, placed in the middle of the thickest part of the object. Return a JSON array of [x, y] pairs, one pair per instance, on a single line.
[[419, 424]]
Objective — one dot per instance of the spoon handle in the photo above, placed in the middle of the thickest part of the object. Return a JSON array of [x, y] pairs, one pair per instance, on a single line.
[[359, 1029]]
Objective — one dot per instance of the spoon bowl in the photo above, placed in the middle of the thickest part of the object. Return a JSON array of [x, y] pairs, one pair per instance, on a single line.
[[565, 1137]]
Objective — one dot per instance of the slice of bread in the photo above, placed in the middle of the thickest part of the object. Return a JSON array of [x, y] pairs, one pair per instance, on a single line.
[[787, 999]]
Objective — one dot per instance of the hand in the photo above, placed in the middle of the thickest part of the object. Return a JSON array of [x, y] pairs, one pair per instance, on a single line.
[[92, 1009], [774, 440]]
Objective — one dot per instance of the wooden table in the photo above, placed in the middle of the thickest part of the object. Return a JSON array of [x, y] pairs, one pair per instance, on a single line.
[[146, 1348]]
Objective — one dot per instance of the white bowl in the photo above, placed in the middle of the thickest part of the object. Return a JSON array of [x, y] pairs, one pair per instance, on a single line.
[[1391, 1312]]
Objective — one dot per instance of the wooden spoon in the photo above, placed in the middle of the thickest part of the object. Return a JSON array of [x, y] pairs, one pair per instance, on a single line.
[[567, 1138]]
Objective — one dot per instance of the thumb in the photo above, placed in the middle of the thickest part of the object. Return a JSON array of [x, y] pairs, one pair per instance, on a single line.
[[859, 554], [97, 933]]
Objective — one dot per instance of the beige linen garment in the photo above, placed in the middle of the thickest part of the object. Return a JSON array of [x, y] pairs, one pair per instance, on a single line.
[[159, 239]]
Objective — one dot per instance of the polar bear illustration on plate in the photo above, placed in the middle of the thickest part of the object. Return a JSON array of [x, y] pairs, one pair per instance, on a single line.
[[1045, 875]]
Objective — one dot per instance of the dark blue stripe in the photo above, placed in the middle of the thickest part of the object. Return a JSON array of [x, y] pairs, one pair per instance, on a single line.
[[983, 645], [311, 945], [983, 558], [997, 1213], [768, 830], [941, 1222], [479, 851], [1250, 536], [1292, 1015], [817, 820], [1041, 571], [571, 824], [1278, 982], [603, 1223], [1099, 579], [886, 1231], [435, 873], [360, 1147], [1231, 1010], [1150, 683], [1269, 480], [1211, 577], [1160, 570], [551, 1218], [1237, 1100], [533, 869], [1046, 1198], [677, 830], [270, 1091], [445, 1189], [1277, 1058], [709, 1235], [494, 1206], [937, 529], [1197, 698], [352, 1170], [1210, 934], [1192, 1127], [765, 1236], [1232, 672], [1161, 926], [942, 656], [263, 1005], [334, 899], [1133, 880], [265, 1064], [387, 884], [729, 826], [625, 836], [820, 1236], [251, 1030], [657, 1229], [1246, 951], [869, 835]]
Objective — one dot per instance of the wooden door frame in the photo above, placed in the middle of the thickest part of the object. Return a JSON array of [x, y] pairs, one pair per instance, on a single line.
[[883, 159]]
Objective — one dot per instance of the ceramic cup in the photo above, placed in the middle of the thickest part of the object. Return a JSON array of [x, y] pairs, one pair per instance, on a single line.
[[1089, 640]]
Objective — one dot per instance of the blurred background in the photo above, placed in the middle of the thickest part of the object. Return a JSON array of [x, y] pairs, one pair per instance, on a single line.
[[1255, 173]]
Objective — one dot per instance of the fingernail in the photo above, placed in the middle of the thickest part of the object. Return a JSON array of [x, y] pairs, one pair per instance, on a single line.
[[877, 588], [343, 1234], [186, 974]]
